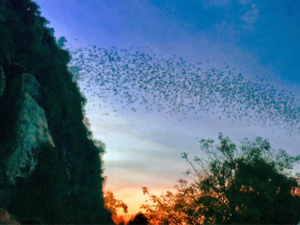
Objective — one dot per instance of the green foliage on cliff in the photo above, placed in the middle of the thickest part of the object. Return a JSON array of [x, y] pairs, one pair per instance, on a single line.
[[66, 186], [39, 196]]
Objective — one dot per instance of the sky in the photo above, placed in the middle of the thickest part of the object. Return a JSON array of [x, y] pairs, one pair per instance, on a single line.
[[143, 147]]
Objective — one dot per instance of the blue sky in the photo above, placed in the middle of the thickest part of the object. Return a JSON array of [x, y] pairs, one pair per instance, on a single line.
[[268, 30], [258, 38]]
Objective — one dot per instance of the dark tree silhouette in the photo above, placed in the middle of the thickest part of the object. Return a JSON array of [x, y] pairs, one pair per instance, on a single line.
[[139, 218], [61, 42], [249, 184], [113, 204]]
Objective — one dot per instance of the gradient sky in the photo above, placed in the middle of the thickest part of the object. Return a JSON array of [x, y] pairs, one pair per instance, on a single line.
[[258, 38]]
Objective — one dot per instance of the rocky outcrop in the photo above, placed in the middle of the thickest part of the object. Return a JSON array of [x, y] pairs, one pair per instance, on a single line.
[[2, 81], [37, 86], [31, 128]]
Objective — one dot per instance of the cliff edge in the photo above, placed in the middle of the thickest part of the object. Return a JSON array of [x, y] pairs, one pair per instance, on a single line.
[[50, 166], [31, 128]]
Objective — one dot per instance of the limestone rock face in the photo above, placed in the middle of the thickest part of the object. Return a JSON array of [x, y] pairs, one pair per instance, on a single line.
[[2, 81], [32, 128]]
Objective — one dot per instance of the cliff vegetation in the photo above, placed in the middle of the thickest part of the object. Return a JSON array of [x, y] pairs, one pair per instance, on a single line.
[[62, 183]]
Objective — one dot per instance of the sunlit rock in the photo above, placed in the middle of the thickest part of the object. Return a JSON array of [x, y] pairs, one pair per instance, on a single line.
[[31, 125]]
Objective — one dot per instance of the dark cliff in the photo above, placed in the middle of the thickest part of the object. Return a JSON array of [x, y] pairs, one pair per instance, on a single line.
[[50, 166]]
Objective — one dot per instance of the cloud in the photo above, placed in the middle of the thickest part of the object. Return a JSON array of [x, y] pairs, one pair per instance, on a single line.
[[214, 3], [250, 16], [244, 11]]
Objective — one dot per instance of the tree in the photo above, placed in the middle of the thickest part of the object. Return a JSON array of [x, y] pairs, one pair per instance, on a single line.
[[113, 205], [139, 219], [178, 208], [249, 184], [61, 42]]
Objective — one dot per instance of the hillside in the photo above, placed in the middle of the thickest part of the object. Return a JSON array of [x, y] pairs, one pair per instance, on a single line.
[[51, 169]]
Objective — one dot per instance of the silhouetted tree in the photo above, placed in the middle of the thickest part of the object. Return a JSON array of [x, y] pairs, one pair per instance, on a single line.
[[113, 204], [139, 218], [61, 42], [233, 186]]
